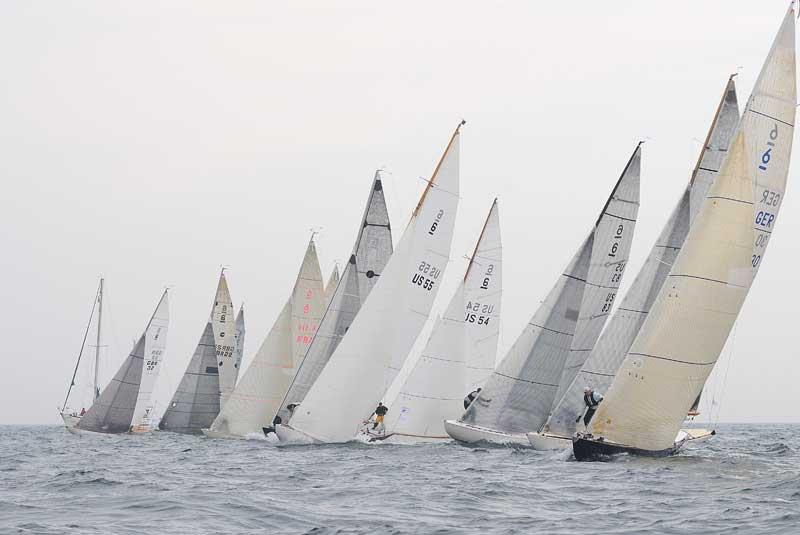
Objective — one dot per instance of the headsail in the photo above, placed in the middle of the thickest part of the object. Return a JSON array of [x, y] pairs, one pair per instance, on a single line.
[[380, 337], [689, 322], [113, 411], [518, 396], [256, 398], [599, 369], [461, 350], [371, 252], [197, 400], [330, 287]]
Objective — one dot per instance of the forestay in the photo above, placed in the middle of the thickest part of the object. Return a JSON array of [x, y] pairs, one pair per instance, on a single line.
[[371, 252], [196, 401], [113, 411], [682, 337], [381, 335], [461, 350], [599, 369], [518, 396], [256, 398]]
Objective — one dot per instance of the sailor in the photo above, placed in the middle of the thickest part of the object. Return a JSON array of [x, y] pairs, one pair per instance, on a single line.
[[470, 398], [83, 411], [591, 399], [380, 412]]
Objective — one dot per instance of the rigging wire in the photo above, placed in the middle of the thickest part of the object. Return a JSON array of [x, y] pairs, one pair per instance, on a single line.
[[83, 345]]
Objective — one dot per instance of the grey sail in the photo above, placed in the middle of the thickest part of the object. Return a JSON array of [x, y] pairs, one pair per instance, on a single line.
[[371, 252], [197, 400], [599, 369], [113, 411], [518, 396]]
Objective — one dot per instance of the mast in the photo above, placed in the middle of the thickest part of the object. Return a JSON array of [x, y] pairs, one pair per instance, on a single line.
[[97, 345]]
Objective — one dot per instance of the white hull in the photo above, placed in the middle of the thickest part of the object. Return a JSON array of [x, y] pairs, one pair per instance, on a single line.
[[289, 435], [472, 433], [690, 437], [545, 442], [70, 420]]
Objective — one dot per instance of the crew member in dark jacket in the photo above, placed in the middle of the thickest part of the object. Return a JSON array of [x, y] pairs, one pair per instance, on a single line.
[[470, 398], [379, 413], [591, 399]]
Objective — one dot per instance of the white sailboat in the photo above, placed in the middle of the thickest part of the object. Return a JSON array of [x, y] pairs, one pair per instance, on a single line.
[[211, 372], [692, 316], [71, 415], [461, 350], [125, 405], [371, 252], [600, 368], [382, 334], [519, 394], [257, 396]]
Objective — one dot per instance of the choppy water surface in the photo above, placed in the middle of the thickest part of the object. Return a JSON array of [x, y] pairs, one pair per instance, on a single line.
[[54, 482]]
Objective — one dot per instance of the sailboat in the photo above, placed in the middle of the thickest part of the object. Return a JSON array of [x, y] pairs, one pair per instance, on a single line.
[[125, 404], [461, 350], [211, 373], [371, 252], [69, 415], [600, 368], [257, 396], [519, 394], [681, 339], [381, 336]]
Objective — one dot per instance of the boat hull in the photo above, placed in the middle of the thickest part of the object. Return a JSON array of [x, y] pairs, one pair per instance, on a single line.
[[290, 435], [586, 448], [471, 434], [70, 420], [545, 442]]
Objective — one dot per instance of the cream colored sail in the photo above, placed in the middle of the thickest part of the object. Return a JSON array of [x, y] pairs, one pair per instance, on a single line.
[[380, 337], [461, 350], [258, 394], [693, 314]]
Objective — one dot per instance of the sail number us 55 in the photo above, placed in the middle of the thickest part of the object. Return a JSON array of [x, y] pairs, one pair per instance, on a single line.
[[426, 275]]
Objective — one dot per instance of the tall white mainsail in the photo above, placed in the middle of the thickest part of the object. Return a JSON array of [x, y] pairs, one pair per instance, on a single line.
[[519, 394], [599, 369], [120, 401], [196, 401], [371, 252], [461, 350], [256, 398], [689, 322], [382, 334]]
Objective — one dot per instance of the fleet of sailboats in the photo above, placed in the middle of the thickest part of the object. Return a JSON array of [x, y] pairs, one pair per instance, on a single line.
[[335, 351]]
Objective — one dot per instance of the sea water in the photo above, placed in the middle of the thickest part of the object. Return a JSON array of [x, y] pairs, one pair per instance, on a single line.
[[746, 478]]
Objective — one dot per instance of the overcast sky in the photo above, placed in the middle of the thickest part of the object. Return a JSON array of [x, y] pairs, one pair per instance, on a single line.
[[153, 142]]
